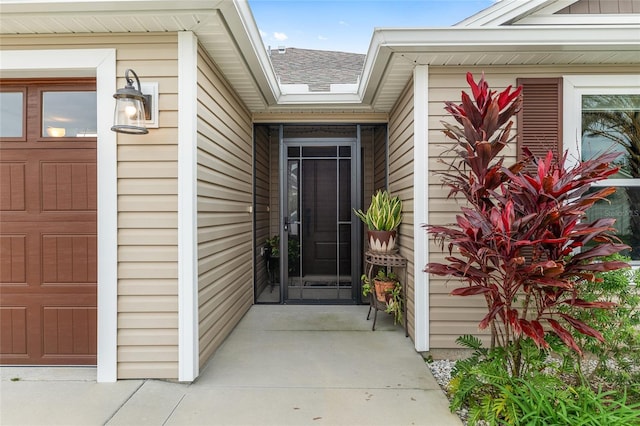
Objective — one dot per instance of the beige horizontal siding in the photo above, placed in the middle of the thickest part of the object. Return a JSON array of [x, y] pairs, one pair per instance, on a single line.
[[155, 353], [146, 303], [144, 171], [224, 203], [147, 204], [210, 219], [379, 160], [149, 220], [161, 136], [162, 320], [156, 186], [400, 183], [148, 152], [452, 316], [152, 253], [145, 270], [147, 368], [160, 237], [151, 287]]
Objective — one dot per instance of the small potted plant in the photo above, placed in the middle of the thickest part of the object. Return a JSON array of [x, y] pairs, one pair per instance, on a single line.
[[387, 290], [383, 217], [383, 283]]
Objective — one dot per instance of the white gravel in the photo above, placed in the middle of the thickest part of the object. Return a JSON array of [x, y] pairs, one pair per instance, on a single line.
[[441, 371]]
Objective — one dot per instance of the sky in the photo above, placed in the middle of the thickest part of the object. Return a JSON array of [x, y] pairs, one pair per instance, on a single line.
[[347, 25]]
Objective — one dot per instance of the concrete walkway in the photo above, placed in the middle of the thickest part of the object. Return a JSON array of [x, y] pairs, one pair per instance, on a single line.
[[282, 365]]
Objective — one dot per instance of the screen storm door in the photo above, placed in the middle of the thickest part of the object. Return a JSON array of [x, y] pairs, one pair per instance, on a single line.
[[319, 188]]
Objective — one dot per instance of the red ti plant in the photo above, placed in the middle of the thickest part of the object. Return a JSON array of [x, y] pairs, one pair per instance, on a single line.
[[521, 240]]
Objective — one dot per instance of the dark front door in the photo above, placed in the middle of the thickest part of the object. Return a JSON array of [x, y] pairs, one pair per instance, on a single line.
[[317, 226]]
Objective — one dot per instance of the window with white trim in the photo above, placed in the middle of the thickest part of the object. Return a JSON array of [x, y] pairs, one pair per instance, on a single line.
[[606, 118]]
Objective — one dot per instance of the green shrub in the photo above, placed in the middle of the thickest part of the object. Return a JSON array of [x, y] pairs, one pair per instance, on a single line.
[[484, 385], [618, 357]]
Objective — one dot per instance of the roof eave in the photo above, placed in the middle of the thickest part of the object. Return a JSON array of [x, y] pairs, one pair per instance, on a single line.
[[503, 12], [243, 27], [388, 42], [539, 35]]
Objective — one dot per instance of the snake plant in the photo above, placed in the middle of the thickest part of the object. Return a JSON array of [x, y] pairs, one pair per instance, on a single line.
[[384, 213]]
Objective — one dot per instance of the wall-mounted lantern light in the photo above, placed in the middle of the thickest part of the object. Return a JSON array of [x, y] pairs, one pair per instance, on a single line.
[[131, 107]]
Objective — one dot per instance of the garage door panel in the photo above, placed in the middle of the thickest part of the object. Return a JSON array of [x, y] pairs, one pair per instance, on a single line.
[[13, 339], [69, 330], [67, 186], [13, 259], [53, 328], [69, 258], [12, 186]]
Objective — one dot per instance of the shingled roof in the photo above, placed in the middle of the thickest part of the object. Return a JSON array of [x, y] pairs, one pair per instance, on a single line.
[[316, 68]]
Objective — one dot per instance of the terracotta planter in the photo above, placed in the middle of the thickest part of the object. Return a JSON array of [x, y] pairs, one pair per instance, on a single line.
[[383, 289], [382, 241]]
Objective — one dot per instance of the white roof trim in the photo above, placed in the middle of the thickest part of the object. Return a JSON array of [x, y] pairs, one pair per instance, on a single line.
[[568, 35], [48, 6], [505, 11], [242, 24], [464, 40], [613, 19], [318, 98]]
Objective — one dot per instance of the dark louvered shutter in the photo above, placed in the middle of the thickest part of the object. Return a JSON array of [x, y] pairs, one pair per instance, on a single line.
[[540, 118]]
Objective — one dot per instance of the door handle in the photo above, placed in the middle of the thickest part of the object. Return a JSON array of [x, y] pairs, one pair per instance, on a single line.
[[286, 224]]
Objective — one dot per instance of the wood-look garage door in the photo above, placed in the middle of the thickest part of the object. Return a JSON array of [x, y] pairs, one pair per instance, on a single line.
[[48, 244]]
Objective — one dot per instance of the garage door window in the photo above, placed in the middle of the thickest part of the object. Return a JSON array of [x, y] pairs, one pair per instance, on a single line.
[[69, 114], [12, 114]]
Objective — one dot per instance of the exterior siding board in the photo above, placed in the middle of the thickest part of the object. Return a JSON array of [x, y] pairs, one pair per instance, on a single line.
[[225, 196], [379, 161], [401, 163]]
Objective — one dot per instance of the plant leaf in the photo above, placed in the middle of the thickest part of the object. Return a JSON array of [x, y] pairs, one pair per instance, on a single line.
[[470, 291], [564, 335], [582, 327]]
